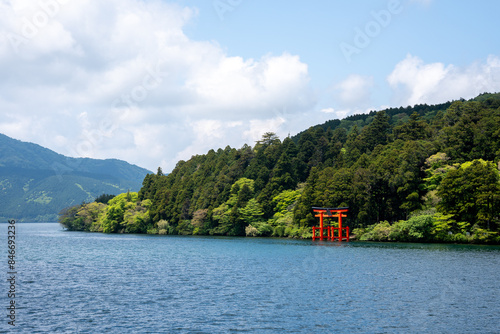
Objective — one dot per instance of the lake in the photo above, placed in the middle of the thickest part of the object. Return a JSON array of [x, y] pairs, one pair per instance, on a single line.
[[77, 282]]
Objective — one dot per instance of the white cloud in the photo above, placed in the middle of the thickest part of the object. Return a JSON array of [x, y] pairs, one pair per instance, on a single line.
[[350, 96], [355, 91], [415, 82], [341, 114], [259, 127], [120, 79], [209, 134], [328, 110]]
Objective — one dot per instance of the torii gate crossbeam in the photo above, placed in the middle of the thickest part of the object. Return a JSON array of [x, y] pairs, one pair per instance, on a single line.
[[331, 213]]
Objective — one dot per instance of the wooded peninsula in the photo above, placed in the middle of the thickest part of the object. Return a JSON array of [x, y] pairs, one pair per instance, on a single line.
[[428, 173]]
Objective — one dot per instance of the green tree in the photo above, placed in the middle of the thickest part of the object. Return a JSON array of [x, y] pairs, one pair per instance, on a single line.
[[377, 132], [471, 193], [414, 129], [252, 212], [104, 198], [68, 216], [284, 202], [354, 146], [268, 139]]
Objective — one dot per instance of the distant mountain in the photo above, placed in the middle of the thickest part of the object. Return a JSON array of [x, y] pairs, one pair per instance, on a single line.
[[36, 183]]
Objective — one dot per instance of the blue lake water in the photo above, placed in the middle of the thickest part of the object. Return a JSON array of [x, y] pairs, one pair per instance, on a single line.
[[75, 282]]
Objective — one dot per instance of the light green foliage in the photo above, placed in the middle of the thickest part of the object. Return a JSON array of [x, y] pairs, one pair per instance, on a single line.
[[485, 236], [376, 232], [283, 220], [279, 231], [119, 216], [124, 199], [265, 229], [442, 228], [90, 213], [146, 203], [43, 198], [416, 229], [420, 228], [471, 193], [135, 220], [124, 213], [238, 211], [284, 202], [152, 230], [238, 185], [220, 212], [426, 228], [464, 227], [252, 212], [437, 169]]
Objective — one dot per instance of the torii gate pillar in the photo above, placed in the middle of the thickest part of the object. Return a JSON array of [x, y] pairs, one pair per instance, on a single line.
[[328, 212]]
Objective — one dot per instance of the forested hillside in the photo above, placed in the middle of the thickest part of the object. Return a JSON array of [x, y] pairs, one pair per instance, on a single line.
[[36, 183], [423, 173]]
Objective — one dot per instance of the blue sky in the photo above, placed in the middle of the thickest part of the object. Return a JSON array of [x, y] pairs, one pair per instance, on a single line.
[[155, 81], [437, 31]]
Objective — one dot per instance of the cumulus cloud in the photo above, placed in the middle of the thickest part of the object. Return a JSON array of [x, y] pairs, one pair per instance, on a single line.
[[120, 79], [352, 95], [355, 90], [415, 82], [328, 110]]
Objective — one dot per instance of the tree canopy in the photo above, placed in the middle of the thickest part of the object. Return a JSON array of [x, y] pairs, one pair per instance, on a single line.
[[387, 166]]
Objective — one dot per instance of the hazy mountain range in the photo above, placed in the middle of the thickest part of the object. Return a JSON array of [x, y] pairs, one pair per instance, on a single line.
[[36, 183]]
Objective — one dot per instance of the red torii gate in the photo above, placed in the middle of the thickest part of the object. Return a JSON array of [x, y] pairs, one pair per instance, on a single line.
[[330, 213]]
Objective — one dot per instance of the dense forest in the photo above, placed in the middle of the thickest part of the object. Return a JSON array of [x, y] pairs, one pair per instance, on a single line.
[[422, 173]]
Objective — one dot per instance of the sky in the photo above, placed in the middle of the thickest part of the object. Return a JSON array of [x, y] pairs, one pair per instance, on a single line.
[[153, 82]]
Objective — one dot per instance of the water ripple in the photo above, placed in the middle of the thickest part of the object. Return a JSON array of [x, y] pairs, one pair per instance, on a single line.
[[71, 282]]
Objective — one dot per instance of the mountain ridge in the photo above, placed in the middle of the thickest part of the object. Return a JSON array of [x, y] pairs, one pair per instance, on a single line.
[[36, 182]]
